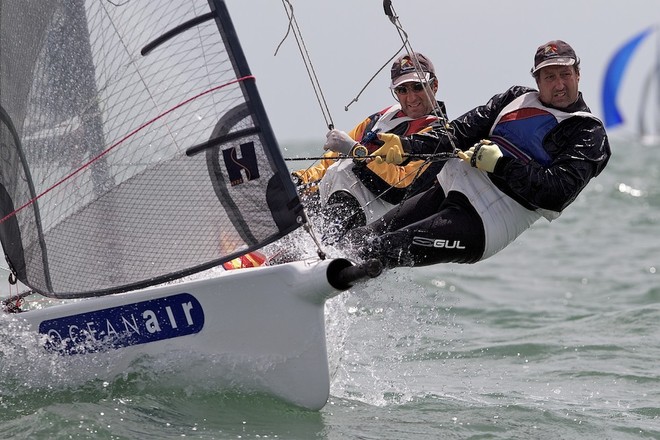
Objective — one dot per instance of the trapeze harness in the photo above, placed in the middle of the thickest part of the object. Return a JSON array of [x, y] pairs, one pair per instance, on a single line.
[[340, 176], [519, 130]]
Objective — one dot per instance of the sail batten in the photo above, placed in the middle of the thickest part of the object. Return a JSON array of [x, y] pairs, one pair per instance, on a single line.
[[97, 192]]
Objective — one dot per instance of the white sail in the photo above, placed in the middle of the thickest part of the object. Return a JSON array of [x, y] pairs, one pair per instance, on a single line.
[[134, 145]]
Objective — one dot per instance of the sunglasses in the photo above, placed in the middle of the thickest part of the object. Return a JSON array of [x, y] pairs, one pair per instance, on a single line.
[[414, 87]]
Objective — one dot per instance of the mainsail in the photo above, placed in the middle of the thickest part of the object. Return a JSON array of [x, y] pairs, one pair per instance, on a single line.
[[134, 146]]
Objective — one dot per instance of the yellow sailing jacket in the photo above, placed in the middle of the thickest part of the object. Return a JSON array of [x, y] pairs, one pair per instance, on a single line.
[[380, 177]]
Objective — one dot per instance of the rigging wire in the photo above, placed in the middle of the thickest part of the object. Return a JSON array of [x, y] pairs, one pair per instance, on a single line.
[[357, 97], [394, 18], [389, 11], [437, 111], [320, 98], [403, 35], [311, 73], [426, 156]]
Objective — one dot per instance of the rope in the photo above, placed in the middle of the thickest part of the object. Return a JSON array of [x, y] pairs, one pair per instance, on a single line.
[[437, 111], [311, 73], [373, 77], [389, 11], [426, 156], [320, 98]]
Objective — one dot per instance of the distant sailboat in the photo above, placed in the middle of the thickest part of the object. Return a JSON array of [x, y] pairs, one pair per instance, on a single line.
[[648, 118]]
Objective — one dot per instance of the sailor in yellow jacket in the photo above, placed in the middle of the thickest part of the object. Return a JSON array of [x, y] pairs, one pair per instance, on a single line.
[[376, 187]]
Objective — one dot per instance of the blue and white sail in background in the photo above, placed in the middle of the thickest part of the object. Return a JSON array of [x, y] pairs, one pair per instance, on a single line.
[[614, 75]]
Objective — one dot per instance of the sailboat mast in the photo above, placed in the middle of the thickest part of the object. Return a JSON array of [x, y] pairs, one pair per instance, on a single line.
[[229, 35]]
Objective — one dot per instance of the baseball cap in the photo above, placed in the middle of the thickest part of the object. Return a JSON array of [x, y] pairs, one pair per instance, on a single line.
[[554, 53], [405, 69]]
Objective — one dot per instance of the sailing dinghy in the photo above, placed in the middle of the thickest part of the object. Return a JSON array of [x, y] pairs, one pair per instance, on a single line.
[[136, 151]]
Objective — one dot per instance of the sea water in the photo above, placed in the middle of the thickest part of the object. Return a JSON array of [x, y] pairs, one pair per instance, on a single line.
[[556, 337]]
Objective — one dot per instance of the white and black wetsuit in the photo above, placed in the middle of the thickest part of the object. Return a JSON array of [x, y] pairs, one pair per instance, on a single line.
[[549, 157]]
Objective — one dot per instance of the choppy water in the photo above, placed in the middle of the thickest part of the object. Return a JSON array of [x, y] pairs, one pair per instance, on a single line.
[[556, 337]]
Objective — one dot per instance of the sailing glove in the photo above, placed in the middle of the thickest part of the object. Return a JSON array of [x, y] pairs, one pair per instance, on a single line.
[[391, 151], [339, 142], [483, 155]]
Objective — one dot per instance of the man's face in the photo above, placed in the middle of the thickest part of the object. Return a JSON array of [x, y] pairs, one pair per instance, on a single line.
[[558, 85], [416, 99]]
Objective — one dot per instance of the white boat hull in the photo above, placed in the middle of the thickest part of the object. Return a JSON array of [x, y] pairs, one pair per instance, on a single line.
[[262, 328]]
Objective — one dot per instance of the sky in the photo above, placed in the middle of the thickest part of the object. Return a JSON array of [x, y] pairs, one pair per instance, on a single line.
[[479, 48]]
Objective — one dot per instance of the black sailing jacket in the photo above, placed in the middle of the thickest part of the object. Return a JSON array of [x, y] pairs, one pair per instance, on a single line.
[[578, 146]]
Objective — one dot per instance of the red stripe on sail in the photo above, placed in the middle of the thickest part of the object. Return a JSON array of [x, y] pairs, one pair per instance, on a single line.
[[119, 142]]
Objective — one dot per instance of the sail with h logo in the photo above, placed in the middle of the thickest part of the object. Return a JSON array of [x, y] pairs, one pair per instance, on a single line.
[[135, 147], [135, 151]]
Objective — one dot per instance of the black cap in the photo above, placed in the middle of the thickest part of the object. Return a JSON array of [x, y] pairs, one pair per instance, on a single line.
[[554, 53], [405, 69]]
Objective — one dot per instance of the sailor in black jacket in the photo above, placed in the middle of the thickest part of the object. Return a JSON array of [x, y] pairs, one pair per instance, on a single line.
[[524, 155]]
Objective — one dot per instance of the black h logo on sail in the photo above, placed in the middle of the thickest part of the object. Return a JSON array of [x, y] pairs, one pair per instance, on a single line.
[[246, 163]]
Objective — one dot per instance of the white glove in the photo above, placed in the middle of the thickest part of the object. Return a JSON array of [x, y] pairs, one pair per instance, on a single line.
[[484, 155], [339, 142]]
